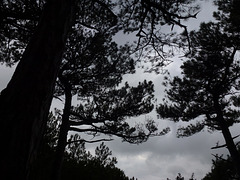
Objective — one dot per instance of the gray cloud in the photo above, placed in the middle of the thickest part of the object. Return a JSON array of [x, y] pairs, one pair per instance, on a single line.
[[163, 157], [5, 75]]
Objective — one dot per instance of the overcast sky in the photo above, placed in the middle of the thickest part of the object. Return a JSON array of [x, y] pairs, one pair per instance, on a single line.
[[166, 156]]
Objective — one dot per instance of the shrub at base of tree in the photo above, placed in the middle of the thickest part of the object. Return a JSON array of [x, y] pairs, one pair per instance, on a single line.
[[222, 169], [91, 169], [78, 163]]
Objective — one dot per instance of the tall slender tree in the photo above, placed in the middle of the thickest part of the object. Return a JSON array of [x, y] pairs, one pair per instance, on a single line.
[[78, 162], [94, 76], [208, 92]]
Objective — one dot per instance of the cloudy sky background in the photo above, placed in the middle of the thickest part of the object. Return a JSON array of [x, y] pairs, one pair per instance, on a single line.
[[161, 157]]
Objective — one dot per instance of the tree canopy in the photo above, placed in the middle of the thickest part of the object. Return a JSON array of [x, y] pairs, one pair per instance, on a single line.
[[208, 92], [20, 19], [92, 70], [36, 32]]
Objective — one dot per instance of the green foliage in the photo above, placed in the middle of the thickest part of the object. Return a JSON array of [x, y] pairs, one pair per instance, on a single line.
[[180, 177], [52, 132], [18, 20], [92, 69], [102, 165], [102, 154], [146, 18], [210, 77], [78, 163], [208, 92], [222, 169]]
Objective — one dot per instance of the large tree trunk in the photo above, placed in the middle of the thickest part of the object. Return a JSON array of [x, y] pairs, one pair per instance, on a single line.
[[25, 103]]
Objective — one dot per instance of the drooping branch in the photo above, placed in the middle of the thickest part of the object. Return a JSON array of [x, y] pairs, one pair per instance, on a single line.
[[170, 18], [128, 138]]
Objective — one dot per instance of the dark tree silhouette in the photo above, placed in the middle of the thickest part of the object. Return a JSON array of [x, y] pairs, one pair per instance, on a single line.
[[18, 20], [146, 18], [25, 102], [103, 106], [222, 169], [180, 177], [208, 92], [78, 162]]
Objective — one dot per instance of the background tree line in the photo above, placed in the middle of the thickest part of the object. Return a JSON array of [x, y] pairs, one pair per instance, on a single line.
[[78, 162]]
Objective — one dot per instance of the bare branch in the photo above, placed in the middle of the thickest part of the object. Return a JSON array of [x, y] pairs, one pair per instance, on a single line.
[[128, 138], [224, 145], [86, 141]]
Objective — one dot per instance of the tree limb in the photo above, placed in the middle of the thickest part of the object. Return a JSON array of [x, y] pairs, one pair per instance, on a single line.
[[86, 141], [224, 145]]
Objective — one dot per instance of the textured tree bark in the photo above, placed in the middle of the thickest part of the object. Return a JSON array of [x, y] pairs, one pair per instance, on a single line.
[[25, 103]]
